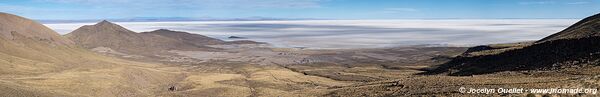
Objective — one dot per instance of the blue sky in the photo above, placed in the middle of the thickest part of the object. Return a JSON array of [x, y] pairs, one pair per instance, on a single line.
[[323, 9]]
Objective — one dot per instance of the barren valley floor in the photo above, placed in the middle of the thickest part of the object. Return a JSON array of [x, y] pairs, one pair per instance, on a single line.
[[268, 72]]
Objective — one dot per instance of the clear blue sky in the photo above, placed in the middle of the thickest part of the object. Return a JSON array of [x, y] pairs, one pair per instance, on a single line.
[[325, 9]]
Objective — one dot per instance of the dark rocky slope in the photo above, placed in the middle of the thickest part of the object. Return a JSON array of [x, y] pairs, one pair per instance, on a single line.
[[587, 27], [576, 46]]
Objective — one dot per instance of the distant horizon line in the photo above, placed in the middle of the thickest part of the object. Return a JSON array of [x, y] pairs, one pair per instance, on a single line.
[[255, 19]]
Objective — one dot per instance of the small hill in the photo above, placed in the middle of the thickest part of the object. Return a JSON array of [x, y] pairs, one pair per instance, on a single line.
[[244, 42], [196, 39], [575, 47], [105, 34], [186, 37], [110, 37], [115, 37]]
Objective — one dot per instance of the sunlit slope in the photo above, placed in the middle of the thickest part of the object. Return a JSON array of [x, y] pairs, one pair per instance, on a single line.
[[12, 24], [36, 61]]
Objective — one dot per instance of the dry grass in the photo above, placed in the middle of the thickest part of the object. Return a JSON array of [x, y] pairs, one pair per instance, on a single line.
[[32, 67]]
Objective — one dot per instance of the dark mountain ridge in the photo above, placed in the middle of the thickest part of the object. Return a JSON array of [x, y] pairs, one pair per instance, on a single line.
[[575, 47], [587, 27]]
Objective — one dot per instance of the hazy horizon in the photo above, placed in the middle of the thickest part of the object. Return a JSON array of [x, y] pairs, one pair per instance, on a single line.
[[210, 19]]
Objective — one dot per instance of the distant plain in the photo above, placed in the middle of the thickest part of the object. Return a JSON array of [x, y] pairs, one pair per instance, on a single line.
[[361, 33]]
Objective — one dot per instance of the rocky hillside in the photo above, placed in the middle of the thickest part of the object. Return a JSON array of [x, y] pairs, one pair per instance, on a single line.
[[575, 47]]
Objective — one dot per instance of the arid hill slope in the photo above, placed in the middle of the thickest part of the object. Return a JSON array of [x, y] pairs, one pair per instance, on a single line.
[[107, 35], [113, 36], [575, 47], [36, 62], [10, 25]]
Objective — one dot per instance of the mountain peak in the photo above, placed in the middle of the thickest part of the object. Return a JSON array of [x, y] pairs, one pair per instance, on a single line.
[[103, 29], [107, 26], [105, 22]]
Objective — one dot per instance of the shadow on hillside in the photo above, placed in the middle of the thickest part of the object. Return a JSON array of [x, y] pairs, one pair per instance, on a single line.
[[549, 55]]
